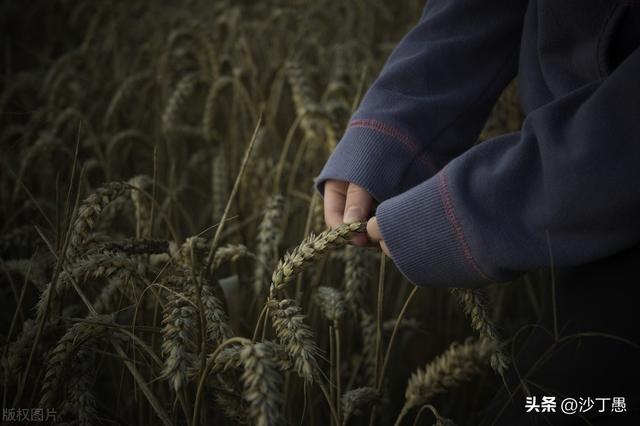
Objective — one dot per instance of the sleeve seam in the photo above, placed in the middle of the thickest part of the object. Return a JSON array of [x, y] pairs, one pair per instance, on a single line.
[[398, 135], [443, 189]]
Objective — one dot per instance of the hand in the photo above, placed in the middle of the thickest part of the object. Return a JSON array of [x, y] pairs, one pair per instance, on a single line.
[[373, 231], [346, 202]]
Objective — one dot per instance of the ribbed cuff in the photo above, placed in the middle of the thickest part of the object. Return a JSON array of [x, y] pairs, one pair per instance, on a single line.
[[426, 239], [376, 160]]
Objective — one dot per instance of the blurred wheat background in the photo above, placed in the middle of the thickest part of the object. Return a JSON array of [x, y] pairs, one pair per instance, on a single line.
[[163, 256]]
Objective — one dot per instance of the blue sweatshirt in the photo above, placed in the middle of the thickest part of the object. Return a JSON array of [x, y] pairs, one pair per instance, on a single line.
[[457, 214]]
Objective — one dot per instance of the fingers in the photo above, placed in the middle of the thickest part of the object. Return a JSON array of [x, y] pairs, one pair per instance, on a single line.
[[335, 196], [357, 205], [373, 231], [357, 208], [346, 202]]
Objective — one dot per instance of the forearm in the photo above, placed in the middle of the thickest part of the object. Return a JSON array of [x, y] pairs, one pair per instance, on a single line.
[[567, 179], [432, 96]]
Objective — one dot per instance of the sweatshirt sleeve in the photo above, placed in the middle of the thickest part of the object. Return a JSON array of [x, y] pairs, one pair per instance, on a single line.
[[432, 96], [566, 185]]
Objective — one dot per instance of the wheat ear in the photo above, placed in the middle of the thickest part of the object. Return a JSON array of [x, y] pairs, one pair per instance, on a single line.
[[357, 275], [141, 204], [88, 214], [331, 302], [268, 239], [230, 253], [179, 320], [80, 401], [182, 91], [454, 367], [476, 307], [219, 185], [119, 283], [61, 355], [295, 336], [260, 377], [440, 421], [18, 239], [355, 400], [27, 268], [18, 350], [304, 99], [369, 342], [218, 329], [232, 403], [262, 383], [107, 264], [136, 246], [190, 259], [122, 93], [310, 248], [191, 254]]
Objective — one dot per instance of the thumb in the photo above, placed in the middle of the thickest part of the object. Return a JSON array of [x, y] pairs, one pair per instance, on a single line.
[[357, 207]]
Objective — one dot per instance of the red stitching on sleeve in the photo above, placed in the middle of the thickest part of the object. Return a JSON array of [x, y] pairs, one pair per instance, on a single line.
[[443, 189], [397, 134]]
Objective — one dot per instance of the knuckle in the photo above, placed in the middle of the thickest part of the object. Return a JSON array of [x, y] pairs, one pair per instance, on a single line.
[[330, 190], [355, 190]]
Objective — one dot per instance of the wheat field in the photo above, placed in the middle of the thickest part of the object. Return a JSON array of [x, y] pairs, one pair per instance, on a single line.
[[163, 254]]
